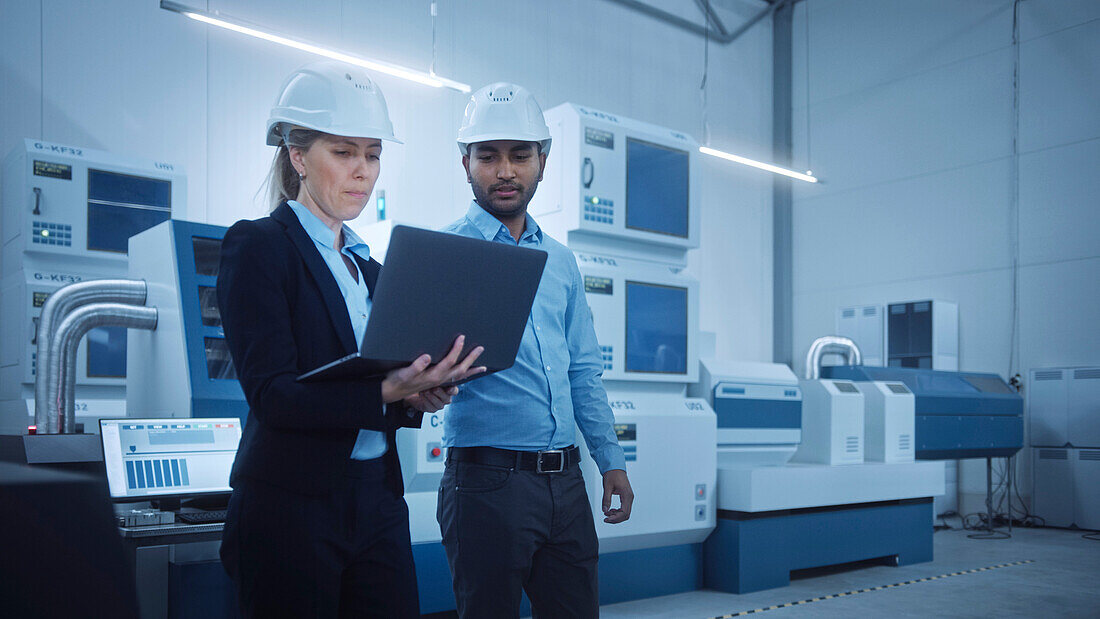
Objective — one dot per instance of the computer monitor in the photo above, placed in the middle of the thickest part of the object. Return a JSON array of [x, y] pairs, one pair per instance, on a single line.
[[150, 459]]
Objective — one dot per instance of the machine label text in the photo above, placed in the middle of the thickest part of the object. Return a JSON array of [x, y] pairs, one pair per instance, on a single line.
[[598, 285], [435, 420], [622, 405], [599, 137], [61, 150], [599, 260], [59, 278], [626, 431], [694, 406], [163, 166], [53, 170]]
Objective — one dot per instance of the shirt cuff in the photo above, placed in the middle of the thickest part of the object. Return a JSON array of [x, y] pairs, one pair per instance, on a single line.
[[609, 458]]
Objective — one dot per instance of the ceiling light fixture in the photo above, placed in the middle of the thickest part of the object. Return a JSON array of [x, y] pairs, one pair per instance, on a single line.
[[221, 21], [809, 178]]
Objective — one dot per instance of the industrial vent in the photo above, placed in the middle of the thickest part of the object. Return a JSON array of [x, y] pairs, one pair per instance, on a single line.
[[1053, 454], [1089, 373], [870, 311], [1090, 454], [851, 444], [905, 443], [849, 313], [1048, 375]]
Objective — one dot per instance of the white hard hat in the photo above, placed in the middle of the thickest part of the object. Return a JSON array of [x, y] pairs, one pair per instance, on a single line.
[[503, 111], [331, 97]]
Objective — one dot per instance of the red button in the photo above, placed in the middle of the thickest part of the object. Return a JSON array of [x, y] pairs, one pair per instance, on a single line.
[[436, 451]]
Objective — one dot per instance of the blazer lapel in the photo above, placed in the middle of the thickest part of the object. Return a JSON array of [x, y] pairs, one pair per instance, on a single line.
[[369, 269], [318, 268]]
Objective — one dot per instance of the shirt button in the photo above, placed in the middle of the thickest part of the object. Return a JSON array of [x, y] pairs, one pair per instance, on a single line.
[[547, 368]]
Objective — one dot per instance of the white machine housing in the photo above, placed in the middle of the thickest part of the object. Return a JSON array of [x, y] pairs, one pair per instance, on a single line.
[[889, 419], [758, 409], [832, 423], [863, 325], [583, 200], [67, 213], [670, 460], [667, 336]]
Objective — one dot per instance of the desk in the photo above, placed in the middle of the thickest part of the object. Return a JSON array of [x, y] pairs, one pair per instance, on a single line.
[[151, 549]]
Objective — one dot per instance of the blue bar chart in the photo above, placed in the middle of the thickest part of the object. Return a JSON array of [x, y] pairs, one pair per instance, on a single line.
[[158, 473]]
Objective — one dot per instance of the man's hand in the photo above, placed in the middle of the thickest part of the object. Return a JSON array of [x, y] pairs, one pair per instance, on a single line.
[[615, 482]]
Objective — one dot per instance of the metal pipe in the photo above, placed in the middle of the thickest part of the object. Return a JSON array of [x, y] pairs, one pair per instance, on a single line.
[[830, 344], [61, 388], [721, 36], [60, 303]]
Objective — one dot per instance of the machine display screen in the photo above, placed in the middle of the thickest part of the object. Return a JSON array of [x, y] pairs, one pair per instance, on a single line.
[[208, 255], [656, 188], [219, 364], [122, 205], [149, 458], [208, 306], [656, 328], [107, 352]]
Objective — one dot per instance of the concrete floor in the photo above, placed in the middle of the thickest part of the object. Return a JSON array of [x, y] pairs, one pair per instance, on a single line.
[[1062, 581]]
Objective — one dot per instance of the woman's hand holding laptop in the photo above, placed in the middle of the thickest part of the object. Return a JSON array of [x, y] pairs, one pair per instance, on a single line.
[[428, 387]]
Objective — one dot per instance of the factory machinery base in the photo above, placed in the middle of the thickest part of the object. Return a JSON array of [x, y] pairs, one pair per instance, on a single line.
[[752, 551]]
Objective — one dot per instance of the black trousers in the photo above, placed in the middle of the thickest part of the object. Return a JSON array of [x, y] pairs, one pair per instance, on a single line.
[[505, 530], [345, 554]]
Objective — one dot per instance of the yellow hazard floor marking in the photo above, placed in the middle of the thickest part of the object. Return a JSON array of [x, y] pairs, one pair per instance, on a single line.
[[878, 588]]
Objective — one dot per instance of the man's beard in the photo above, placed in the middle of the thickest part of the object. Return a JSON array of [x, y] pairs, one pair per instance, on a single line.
[[513, 208]]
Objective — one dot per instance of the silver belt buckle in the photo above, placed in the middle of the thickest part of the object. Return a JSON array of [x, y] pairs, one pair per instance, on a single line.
[[561, 461]]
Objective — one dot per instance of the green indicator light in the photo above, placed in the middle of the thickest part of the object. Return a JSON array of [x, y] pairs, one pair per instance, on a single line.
[[45, 233], [595, 200]]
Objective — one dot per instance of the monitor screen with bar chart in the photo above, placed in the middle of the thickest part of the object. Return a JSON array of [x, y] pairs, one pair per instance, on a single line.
[[158, 458]]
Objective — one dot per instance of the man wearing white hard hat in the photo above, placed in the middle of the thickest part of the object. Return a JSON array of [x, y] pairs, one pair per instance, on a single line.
[[317, 525], [512, 506]]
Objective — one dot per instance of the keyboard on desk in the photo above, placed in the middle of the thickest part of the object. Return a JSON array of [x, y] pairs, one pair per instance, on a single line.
[[203, 517]]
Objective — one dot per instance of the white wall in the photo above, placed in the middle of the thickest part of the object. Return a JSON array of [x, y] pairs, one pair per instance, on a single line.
[[128, 77], [905, 109]]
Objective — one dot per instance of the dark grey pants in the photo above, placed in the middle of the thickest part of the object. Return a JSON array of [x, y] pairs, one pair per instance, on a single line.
[[505, 530]]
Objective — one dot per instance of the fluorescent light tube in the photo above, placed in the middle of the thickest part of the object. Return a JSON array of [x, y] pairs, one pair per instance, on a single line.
[[374, 65], [809, 178]]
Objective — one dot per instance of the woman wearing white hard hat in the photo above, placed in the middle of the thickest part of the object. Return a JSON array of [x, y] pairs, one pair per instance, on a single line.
[[317, 525]]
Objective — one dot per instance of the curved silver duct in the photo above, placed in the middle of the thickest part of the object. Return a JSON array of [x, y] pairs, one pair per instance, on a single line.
[[61, 373], [60, 303], [830, 344]]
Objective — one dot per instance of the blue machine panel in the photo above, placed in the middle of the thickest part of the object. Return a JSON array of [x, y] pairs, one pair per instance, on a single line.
[[215, 390], [750, 413], [958, 414]]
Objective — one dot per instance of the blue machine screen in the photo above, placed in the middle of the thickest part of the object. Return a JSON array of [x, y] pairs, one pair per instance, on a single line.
[[107, 352], [656, 188], [656, 328], [121, 205]]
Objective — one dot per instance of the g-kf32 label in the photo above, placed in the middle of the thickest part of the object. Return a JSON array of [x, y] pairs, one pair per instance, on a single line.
[[622, 405], [59, 278], [61, 150]]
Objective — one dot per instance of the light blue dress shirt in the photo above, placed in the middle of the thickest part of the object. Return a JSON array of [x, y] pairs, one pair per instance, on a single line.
[[370, 443], [555, 381]]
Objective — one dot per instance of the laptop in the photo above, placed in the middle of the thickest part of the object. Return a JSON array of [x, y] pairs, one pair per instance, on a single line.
[[436, 286], [159, 459]]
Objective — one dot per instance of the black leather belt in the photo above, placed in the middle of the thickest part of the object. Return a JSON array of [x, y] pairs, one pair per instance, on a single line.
[[545, 461]]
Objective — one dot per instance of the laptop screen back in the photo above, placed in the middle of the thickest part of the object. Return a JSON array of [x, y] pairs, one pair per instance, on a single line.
[[157, 458]]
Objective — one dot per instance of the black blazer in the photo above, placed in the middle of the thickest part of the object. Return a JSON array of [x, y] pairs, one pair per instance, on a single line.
[[284, 315]]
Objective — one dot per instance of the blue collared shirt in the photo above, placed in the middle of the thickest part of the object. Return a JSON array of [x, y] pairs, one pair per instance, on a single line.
[[370, 443], [555, 381]]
